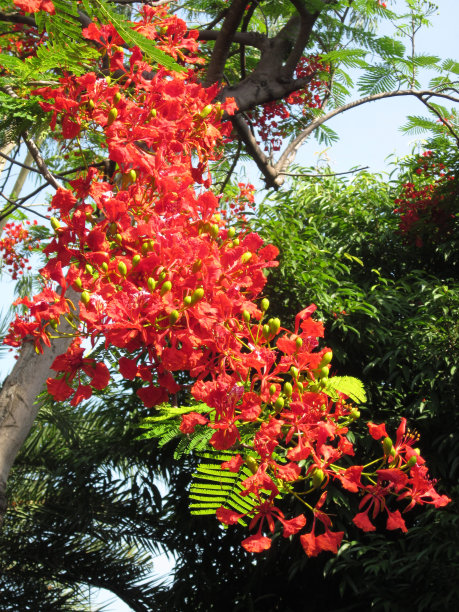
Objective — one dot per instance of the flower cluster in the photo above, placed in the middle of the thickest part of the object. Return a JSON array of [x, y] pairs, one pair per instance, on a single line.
[[271, 118], [168, 283], [423, 206], [16, 241]]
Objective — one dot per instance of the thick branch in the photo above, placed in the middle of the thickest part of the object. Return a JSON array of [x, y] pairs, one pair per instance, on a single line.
[[17, 18], [252, 147], [223, 42], [18, 409], [251, 39], [307, 22]]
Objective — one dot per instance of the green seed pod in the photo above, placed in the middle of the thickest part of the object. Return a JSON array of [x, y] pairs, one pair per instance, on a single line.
[[246, 316], [136, 260], [151, 284], [279, 404], [89, 269], [112, 115], [78, 284], [387, 446], [55, 224], [187, 300], [231, 232], [274, 325], [104, 266], [197, 295], [246, 257], [272, 389], [174, 317], [167, 286], [266, 331], [122, 268], [85, 297], [299, 343], [288, 389], [317, 478], [264, 304], [252, 464], [116, 98], [206, 111]]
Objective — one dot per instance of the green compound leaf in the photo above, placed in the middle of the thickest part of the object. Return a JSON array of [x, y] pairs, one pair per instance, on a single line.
[[350, 386]]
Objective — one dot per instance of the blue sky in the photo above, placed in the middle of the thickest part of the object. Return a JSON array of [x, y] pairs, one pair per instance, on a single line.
[[368, 135]]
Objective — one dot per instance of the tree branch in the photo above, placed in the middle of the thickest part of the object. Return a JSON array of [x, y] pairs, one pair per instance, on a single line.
[[223, 42], [17, 18], [307, 22], [251, 39], [290, 152], [262, 161]]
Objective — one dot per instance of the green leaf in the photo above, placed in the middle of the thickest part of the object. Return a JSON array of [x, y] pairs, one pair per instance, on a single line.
[[350, 386]]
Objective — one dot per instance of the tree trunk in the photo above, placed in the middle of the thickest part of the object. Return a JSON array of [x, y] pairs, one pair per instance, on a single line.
[[18, 406]]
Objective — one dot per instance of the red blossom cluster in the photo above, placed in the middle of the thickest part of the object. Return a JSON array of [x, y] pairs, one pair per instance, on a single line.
[[164, 279], [12, 246], [423, 208], [270, 119]]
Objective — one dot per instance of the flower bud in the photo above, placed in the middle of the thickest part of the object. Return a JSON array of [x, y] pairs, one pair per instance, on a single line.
[[167, 286], [174, 317], [85, 297], [288, 389], [272, 389], [300, 387], [324, 372], [264, 305], [104, 266], [214, 231], [252, 464], [196, 266], [246, 316], [197, 295], [326, 358], [274, 325], [299, 343], [112, 115], [231, 232], [354, 414], [91, 104], [387, 445], [122, 268], [206, 111], [55, 224], [236, 242], [294, 372], [116, 98], [151, 284], [136, 260], [78, 284], [187, 301], [279, 404], [162, 276], [133, 175], [411, 462], [89, 269], [266, 331], [152, 114], [246, 257], [317, 478]]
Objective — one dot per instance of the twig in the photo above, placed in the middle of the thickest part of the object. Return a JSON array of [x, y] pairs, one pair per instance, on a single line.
[[330, 174]]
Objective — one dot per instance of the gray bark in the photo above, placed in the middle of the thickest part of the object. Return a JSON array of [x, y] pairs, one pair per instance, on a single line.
[[18, 399]]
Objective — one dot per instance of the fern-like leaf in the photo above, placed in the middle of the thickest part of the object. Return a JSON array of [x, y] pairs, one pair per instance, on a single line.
[[350, 386]]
